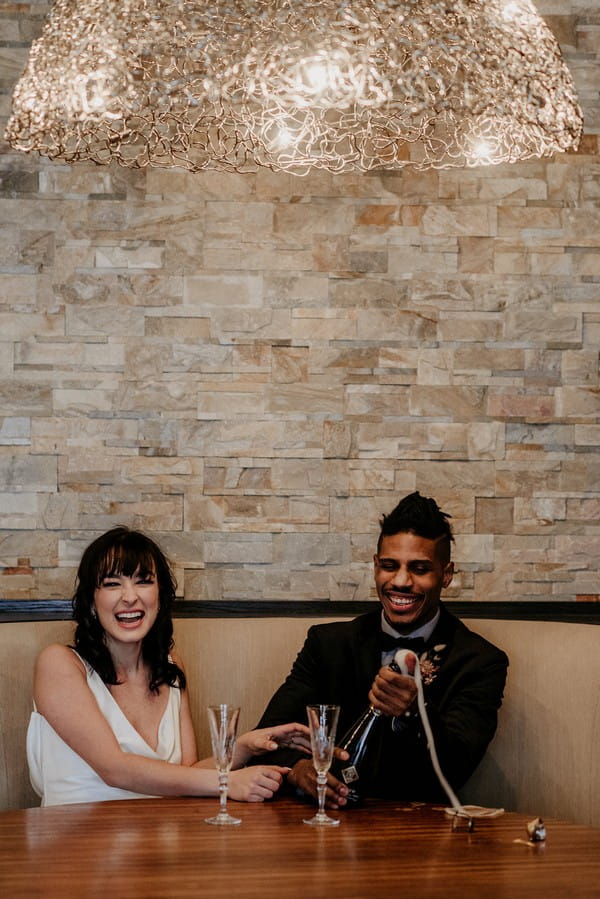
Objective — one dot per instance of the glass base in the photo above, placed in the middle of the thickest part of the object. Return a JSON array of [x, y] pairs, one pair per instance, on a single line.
[[224, 819], [322, 820]]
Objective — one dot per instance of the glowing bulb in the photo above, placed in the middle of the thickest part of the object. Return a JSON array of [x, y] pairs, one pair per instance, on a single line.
[[482, 150], [89, 94], [277, 137], [318, 76], [512, 9], [322, 79], [285, 138], [96, 102]]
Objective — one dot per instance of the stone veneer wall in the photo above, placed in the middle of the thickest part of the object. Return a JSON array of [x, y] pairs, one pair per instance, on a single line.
[[253, 368]]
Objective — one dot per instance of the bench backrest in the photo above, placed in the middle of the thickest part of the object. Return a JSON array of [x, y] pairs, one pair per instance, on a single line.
[[544, 759]]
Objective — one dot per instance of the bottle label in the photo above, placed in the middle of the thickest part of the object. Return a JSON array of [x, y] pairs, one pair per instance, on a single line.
[[350, 774]]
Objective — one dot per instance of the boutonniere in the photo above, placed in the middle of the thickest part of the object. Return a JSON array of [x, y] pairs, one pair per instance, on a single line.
[[430, 661]]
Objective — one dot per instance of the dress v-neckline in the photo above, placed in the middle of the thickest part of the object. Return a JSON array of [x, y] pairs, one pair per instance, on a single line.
[[132, 727], [92, 672]]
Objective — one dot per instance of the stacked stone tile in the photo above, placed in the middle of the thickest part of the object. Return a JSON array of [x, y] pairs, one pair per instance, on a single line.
[[254, 368]]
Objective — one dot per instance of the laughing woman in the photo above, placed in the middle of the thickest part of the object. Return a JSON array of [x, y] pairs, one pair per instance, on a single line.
[[111, 715]]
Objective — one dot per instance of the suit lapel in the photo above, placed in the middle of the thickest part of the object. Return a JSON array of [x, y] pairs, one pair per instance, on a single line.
[[442, 638]]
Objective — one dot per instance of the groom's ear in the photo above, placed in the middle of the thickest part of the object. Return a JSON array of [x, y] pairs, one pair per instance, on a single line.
[[448, 574]]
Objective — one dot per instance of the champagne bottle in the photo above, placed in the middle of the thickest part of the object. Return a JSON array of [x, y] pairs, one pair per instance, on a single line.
[[355, 742]]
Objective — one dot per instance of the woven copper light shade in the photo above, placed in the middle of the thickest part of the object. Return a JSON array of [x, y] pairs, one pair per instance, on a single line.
[[295, 85]]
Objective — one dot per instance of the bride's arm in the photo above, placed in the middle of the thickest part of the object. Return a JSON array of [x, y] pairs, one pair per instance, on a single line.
[[63, 697], [267, 739]]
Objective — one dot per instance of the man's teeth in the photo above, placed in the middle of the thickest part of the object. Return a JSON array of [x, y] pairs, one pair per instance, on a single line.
[[405, 600]]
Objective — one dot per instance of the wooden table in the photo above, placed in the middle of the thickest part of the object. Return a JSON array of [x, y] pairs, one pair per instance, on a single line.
[[162, 848]]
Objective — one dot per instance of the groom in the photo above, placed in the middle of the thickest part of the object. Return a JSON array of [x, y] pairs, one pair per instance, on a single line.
[[346, 664]]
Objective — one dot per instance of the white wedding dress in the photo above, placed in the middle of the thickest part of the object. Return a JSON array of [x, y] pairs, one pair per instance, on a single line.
[[61, 777]]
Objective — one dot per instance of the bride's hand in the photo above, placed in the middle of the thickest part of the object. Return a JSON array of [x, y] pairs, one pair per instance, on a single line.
[[266, 739], [257, 783]]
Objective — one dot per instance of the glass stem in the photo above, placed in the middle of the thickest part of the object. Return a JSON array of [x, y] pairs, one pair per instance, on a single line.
[[223, 791], [321, 787]]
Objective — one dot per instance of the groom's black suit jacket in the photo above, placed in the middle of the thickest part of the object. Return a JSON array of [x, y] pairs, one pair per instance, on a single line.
[[337, 665]]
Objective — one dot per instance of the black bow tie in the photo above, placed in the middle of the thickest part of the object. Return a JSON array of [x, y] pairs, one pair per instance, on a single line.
[[415, 644]]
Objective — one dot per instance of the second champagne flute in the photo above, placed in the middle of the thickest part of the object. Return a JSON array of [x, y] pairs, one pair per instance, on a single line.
[[223, 721], [322, 721]]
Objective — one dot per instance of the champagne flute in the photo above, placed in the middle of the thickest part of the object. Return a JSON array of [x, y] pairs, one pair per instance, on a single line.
[[223, 721], [322, 721]]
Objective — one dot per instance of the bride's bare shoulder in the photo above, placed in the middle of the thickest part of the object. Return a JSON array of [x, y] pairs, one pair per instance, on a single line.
[[57, 657]]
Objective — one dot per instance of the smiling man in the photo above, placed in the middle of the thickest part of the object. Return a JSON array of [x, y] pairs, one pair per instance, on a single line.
[[347, 664]]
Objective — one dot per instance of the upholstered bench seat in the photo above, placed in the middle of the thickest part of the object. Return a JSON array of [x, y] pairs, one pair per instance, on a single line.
[[544, 759]]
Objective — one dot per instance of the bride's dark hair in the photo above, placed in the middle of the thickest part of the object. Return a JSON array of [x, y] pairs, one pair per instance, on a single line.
[[122, 551]]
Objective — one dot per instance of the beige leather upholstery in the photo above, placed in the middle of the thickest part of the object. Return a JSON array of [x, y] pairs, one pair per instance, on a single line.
[[544, 759]]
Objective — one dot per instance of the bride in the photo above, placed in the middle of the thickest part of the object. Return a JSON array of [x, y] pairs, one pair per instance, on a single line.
[[111, 715]]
